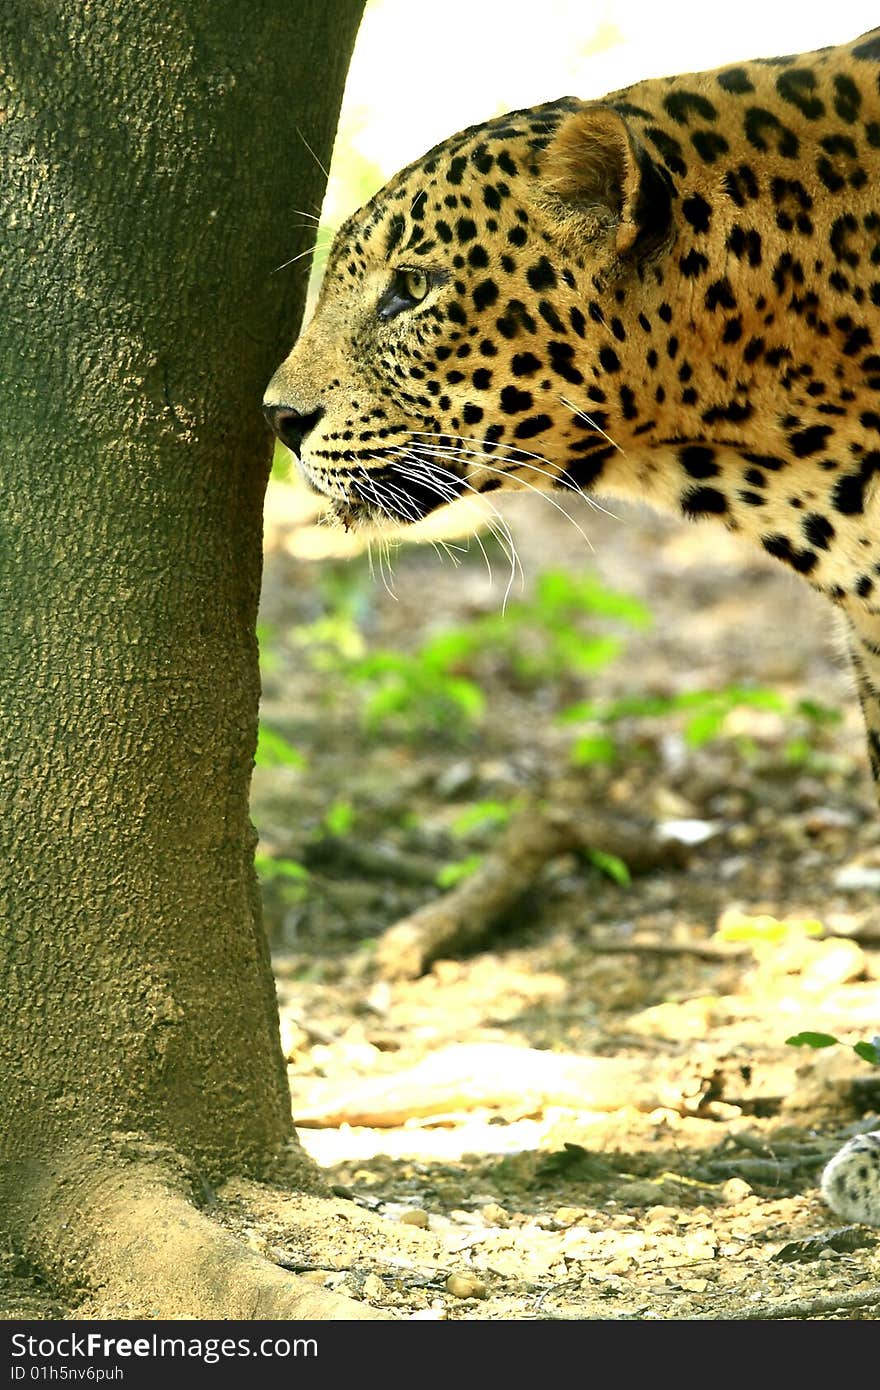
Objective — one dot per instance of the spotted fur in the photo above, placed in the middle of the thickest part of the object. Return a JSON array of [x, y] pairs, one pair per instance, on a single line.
[[672, 294], [851, 1181]]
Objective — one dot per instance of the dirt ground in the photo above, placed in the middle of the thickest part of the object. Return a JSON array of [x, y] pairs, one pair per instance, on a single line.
[[596, 1116], [676, 1181]]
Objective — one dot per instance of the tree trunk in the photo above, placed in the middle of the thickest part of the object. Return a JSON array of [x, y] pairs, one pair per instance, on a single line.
[[152, 161]]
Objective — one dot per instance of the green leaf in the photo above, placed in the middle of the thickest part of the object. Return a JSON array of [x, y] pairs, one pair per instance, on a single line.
[[610, 865], [868, 1051], [282, 464], [269, 868], [560, 595], [593, 748], [798, 751], [703, 727], [451, 874], [588, 653], [812, 1040], [448, 649], [339, 818], [483, 813], [818, 714], [273, 750], [467, 695]]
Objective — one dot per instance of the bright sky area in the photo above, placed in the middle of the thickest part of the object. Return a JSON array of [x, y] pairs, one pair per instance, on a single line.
[[422, 70]]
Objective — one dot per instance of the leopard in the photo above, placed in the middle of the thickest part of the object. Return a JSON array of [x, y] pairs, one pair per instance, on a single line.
[[671, 295]]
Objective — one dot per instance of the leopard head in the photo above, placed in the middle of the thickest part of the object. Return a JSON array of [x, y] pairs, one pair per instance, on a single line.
[[464, 336]]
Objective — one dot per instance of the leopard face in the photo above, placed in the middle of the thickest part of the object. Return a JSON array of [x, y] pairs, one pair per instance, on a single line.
[[460, 340]]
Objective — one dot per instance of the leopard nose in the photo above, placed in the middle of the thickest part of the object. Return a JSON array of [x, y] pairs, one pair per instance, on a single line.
[[290, 425]]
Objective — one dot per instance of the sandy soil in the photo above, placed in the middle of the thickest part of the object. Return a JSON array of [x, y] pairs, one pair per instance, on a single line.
[[679, 1188]]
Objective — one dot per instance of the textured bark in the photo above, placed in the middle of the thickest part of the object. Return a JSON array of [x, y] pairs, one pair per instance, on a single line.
[[151, 164]]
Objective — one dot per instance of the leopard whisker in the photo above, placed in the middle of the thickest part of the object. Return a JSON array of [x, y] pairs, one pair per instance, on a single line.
[[428, 473], [559, 479], [312, 153], [301, 212], [397, 506], [498, 528], [576, 409], [551, 501], [309, 251]]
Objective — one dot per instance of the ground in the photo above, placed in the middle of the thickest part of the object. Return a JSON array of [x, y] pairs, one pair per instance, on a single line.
[[596, 1116]]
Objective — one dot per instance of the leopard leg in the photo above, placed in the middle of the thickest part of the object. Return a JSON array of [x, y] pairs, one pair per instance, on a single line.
[[864, 647]]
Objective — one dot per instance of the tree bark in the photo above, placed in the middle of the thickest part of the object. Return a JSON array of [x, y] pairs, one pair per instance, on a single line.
[[152, 161]]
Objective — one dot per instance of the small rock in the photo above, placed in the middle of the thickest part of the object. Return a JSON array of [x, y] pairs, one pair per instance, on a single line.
[[824, 818], [695, 1285], [668, 804], [456, 778], [466, 1285], [495, 1215], [414, 1216], [742, 835], [688, 831], [294, 1039], [568, 1216], [373, 1288], [661, 1220], [835, 962], [735, 1190], [700, 1246], [314, 1276], [854, 877]]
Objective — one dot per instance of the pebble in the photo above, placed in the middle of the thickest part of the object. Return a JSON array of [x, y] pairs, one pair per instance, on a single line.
[[853, 877], [495, 1215], [828, 818], [735, 1190], [568, 1216], [466, 1285], [688, 831], [456, 778], [414, 1216], [373, 1288]]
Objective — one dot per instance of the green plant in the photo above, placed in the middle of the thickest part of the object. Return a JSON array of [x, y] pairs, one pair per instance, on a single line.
[[289, 878], [483, 815], [704, 714], [869, 1051], [340, 818], [274, 750], [541, 639], [451, 874]]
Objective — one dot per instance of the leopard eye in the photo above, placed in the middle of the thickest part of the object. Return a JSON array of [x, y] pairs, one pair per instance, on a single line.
[[416, 284], [407, 289]]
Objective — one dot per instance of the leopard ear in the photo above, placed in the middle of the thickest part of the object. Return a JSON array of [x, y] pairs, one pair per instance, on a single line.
[[599, 184]]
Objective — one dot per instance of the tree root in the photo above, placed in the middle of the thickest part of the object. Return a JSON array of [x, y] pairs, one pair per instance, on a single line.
[[136, 1246], [463, 917]]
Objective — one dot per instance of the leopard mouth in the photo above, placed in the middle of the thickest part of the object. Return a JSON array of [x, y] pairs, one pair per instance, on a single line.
[[405, 493], [354, 514], [392, 497]]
